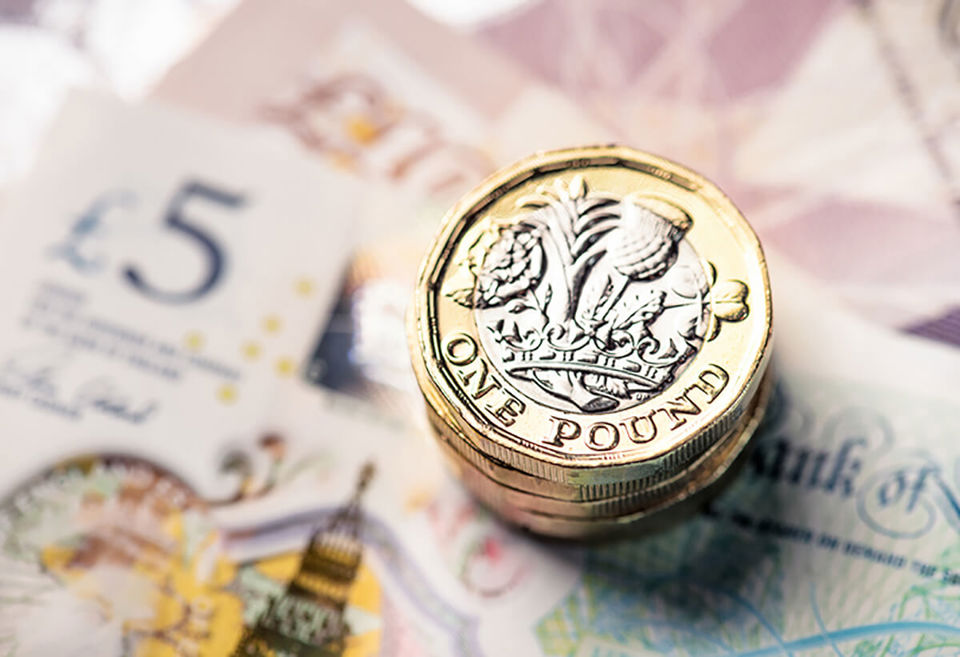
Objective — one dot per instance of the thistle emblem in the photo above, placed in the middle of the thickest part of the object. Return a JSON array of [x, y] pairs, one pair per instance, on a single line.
[[594, 302]]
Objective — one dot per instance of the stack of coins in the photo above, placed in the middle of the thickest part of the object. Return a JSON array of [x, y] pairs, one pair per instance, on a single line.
[[591, 330]]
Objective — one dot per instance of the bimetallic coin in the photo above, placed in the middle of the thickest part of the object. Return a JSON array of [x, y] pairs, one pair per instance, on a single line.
[[590, 323]]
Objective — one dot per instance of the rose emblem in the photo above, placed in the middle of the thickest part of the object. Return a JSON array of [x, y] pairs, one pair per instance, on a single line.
[[513, 265]]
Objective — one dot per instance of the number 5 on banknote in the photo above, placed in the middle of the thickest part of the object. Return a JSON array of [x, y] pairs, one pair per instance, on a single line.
[[176, 221]]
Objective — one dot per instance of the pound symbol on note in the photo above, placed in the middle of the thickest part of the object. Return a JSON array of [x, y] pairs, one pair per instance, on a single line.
[[79, 247]]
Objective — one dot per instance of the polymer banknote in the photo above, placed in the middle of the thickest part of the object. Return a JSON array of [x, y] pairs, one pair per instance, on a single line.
[[161, 277]]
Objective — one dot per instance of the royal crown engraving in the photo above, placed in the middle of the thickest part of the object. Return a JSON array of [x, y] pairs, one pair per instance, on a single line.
[[592, 302]]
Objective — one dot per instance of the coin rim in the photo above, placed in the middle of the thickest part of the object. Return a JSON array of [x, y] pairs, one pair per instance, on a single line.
[[685, 502], [528, 490], [500, 495]]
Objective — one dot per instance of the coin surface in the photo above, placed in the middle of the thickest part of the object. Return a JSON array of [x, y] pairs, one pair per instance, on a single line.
[[592, 316]]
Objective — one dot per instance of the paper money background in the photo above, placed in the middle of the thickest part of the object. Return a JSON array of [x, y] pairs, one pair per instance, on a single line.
[[831, 123], [203, 373]]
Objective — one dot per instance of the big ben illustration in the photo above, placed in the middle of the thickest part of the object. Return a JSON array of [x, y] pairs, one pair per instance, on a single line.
[[307, 620]]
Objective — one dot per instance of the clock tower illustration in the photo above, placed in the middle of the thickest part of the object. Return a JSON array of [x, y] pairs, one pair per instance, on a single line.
[[308, 618]]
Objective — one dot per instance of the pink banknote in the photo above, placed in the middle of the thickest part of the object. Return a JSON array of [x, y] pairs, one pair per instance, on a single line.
[[832, 124]]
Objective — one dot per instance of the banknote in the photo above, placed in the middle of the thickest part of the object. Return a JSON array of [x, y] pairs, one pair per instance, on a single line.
[[838, 537], [161, 276], [832, 124], [372, 86]]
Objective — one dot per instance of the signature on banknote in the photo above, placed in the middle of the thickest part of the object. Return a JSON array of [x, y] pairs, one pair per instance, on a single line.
[[36, 375]]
